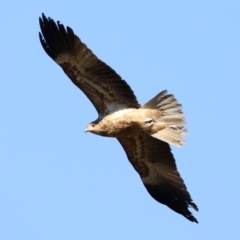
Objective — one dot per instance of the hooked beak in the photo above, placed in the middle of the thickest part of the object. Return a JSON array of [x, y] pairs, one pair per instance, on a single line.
[[88, 128]]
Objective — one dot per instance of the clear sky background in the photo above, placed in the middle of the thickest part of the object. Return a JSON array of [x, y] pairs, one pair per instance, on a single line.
[[56, 182]]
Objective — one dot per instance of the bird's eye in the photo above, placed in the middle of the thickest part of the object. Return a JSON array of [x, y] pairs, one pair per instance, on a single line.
[[148, 121]]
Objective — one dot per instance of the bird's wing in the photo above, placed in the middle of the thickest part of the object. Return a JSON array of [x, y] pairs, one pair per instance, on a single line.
[[155, 163], [101, 84]]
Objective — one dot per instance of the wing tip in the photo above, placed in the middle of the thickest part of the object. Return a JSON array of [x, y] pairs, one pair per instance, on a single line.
[[54, 37], [175, 200], [189, 215], [191, 218]]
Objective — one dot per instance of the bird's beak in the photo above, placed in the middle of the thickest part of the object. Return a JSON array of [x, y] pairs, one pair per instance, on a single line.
[[87, 129]]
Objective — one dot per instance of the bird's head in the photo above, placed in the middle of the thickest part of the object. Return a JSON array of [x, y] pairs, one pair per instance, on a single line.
[[93, 128], [90, 128]]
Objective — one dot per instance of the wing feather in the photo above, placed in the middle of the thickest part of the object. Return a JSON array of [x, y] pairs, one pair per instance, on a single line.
[[155, 163], [100, 83]]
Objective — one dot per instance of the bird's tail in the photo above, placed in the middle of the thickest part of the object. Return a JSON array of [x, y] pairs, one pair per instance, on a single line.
[[171, 116]]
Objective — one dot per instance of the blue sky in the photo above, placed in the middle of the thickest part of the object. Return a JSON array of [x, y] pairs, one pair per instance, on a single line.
[[56, 182]]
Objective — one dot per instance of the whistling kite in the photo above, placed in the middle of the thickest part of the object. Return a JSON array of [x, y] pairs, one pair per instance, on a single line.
[[144, 132]]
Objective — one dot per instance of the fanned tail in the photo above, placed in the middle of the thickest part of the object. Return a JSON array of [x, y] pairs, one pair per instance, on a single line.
[[171, 115]]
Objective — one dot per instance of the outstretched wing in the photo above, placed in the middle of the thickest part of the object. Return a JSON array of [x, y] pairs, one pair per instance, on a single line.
[[155, 163], [101, 84]]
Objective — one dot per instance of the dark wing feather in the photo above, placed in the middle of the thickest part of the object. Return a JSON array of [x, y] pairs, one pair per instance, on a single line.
[[155, 163], [101, 84]]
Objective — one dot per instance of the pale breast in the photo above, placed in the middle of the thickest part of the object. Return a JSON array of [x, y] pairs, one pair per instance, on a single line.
[[126, 122]]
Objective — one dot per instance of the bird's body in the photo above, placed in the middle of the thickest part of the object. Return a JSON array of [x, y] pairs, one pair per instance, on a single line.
[[127, 123], [144, 132]]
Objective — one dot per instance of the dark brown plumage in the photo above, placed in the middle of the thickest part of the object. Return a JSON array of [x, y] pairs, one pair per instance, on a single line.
[[144, 132]]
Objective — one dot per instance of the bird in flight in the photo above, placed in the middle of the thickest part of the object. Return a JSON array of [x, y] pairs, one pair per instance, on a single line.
[[144, 132]]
